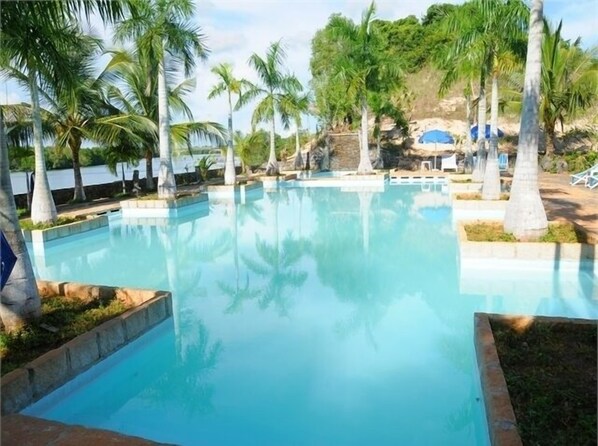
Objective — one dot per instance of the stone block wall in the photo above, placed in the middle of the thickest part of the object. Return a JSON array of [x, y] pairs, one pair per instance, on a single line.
[[41, 376]]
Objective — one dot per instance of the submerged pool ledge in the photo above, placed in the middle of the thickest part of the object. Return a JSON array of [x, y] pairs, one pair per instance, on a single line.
[[35, 380]]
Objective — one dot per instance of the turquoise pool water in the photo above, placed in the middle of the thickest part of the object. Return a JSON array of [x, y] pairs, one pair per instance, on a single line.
[[303, 317]]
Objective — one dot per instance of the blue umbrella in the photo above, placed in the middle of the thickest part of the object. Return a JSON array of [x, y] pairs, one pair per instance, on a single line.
[[474, 132], [436, 137]]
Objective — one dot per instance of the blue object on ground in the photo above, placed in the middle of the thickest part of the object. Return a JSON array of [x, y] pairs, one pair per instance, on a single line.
[[7, 260], [474, 132], [436, 137], [503, 161]]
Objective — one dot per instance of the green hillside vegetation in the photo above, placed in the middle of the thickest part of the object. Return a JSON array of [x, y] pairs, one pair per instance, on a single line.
[[426, 49]]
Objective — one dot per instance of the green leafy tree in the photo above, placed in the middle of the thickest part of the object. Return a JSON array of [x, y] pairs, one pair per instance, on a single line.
[[163, 35], [361, 64], [569, 82], [273, 87]]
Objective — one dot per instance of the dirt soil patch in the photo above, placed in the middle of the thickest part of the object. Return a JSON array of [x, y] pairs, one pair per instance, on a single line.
[[550, 370]]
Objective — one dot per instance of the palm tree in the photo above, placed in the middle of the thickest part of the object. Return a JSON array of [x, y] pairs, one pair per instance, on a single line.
[[362, 66], [296, 104], [228, 84], [20, 299], [525, 216], [164, 35], [505, 26], [26, 40], [83, 112], [137, 96], [275, 86], [569, 82], [36, 39]]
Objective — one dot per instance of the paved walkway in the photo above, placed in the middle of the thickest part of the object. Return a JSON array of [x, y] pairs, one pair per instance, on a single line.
[[564, 202]]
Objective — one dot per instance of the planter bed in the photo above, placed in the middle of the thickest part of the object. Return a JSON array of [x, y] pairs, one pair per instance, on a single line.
[[236, 193], [557, 256], [157, 207], [538, 377], [40, 236], [23, 386]]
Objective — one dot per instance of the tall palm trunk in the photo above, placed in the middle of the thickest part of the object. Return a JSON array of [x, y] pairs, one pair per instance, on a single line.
[[43, 209], [79, 194], [272, 167], [468, 139], [229, 168], [525, 216], [480, 165], [298, 157], [20, 299], [379, 163], [149, 170], [365, 165], [491, 186], [166, 181]]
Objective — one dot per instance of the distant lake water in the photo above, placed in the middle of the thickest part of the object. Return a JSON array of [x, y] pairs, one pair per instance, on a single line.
[[64, 178]]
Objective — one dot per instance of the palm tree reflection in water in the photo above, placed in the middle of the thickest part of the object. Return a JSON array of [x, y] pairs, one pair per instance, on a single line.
[[278, 262]]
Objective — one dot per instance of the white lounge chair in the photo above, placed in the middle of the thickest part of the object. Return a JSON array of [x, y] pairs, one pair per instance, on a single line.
[[449, 162], [582, 177], [592, 180]]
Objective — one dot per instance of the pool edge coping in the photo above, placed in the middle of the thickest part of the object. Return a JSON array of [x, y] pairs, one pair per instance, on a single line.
[[33, 381]]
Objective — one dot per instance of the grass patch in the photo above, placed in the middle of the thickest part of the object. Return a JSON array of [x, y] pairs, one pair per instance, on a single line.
[[71, 317], [550, 369], [494, 232], [564, 233], [28, 225], [477, 196], [488, 232]]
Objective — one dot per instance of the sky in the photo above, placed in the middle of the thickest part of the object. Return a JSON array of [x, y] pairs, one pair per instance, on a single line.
[[235, 29]]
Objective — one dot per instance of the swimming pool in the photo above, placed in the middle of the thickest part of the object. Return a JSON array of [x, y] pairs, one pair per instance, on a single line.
[[307, 317]]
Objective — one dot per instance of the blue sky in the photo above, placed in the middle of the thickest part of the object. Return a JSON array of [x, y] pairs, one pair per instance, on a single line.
[[237, 28]]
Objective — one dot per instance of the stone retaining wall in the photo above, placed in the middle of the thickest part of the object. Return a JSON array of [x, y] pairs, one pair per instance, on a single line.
[[41, 376], [502, 425]]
